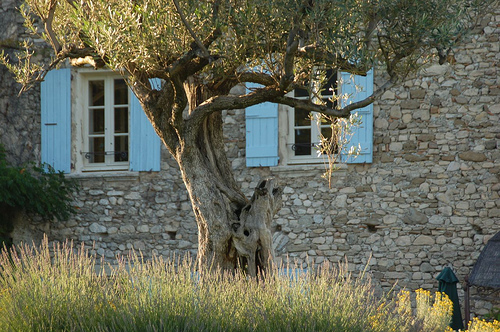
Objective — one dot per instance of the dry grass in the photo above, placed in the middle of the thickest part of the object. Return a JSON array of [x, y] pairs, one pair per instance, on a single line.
[[58, 289]]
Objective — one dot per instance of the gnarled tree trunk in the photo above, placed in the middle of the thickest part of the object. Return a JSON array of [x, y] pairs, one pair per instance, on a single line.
[[233, 231]]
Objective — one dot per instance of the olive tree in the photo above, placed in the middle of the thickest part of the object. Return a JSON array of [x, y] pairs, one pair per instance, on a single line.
[[201, 49]]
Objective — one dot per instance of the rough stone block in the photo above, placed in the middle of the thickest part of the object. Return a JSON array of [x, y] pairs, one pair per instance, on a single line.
[[388, 95], [396, 146], [490, 145], [453, 166], [415, 217], [472, 156], [96, 228], [410, 104], [133, 196], [403, 241], [417, 94], [458, 220], [127, 229], [413, 157], [426, 267], [143, 228], [426, 137], [112, 230], [390, 219], [494, 213], [437, 70], [298, 247], [115, 193], [424, 240]]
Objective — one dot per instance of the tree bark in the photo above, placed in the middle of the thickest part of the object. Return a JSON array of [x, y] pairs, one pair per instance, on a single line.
[[233, 231]]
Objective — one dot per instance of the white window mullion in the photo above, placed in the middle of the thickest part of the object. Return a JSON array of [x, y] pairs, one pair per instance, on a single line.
[[109, 128]]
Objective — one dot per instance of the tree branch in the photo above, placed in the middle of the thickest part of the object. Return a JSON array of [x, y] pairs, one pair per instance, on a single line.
[[370, 27], [219, 103], [311, 107], [259, 78], [340, 113], [191, 32], [71, 3], [189, 63], [158, 107], [180, 102], [289, 60], [48, 27]]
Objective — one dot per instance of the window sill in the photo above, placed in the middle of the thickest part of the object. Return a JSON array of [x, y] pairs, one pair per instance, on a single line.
[[114, 175], [299, 170]]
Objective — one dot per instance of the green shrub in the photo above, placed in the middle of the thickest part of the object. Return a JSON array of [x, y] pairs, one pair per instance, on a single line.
[[62, 290], [494, 314], [35, 189]]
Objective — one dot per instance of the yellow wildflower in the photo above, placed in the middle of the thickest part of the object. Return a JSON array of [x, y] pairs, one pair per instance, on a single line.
[[479, 325]]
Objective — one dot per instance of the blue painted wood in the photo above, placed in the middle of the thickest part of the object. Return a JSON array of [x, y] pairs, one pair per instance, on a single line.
[[261, 134], [56, 119], [144, 142], [358, 88]]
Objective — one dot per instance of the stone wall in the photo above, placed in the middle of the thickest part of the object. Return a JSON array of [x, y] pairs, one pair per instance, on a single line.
[[19, 115], [430, 198]]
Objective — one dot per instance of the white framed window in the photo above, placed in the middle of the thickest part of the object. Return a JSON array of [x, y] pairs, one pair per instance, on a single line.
[[104, 108], [304, 127], [106, 129]]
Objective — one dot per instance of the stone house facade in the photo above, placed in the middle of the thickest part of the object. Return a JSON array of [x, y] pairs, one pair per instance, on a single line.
[[428, 199]]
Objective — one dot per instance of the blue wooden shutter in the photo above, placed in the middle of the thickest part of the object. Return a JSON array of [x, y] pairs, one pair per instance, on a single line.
[[144, 142], [56, 119], [261, 134], [364, 133]]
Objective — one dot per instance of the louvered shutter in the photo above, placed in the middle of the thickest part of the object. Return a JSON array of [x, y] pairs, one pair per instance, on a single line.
[[56, 119], [144, 142], [261, 134], [358, 88]]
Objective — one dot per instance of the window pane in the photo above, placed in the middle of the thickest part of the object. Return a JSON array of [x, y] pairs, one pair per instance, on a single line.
[[96, 121], [121, 92], [302, 118], [96, 93], [96, 149], [121, 148], [302, 142], [331, 84], [326, 132], [301, 93], [121, 120]]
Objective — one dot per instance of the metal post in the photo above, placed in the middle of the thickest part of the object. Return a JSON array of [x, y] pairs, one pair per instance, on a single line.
[[467, 302]]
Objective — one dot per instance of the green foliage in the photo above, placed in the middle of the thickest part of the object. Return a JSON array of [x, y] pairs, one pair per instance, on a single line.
[[494, 314], [61, 289], [35, 189], [148, 36]]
